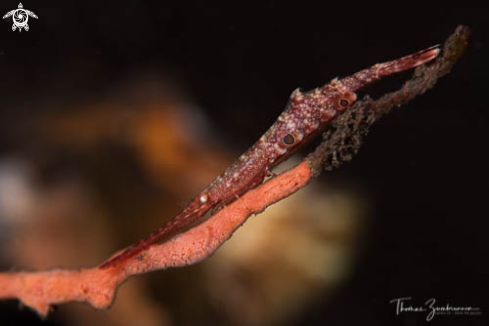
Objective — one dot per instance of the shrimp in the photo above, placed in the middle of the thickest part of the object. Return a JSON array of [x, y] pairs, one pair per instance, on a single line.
[[305, 115]]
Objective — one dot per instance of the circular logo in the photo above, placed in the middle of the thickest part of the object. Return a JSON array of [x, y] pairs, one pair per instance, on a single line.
[[20, 18]]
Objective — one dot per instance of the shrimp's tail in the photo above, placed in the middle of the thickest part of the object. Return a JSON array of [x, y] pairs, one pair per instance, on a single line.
[[410, 61], [369, 75]]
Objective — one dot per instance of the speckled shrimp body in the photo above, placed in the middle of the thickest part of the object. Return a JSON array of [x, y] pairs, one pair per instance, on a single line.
[[305, 115]]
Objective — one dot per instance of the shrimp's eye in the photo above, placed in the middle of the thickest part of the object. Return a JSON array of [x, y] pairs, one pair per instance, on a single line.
[[288, 140], [344, 103]]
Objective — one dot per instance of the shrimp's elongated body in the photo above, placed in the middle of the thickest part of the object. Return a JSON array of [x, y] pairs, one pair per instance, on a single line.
[[305, 115]]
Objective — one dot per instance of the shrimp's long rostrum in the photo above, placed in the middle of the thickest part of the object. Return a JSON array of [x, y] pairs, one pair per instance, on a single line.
[[305, 115]]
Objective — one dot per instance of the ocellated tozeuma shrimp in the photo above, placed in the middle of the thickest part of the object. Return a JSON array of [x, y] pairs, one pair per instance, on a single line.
[[305, 115]]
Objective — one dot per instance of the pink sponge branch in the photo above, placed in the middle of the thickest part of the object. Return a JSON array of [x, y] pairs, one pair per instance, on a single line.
[[202, 241], [96, 286]]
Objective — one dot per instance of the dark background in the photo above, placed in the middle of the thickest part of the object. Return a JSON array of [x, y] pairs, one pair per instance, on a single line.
[[425, 164]]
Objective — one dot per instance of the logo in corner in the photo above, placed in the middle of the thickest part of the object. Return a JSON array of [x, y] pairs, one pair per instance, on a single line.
[[20, 16]]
